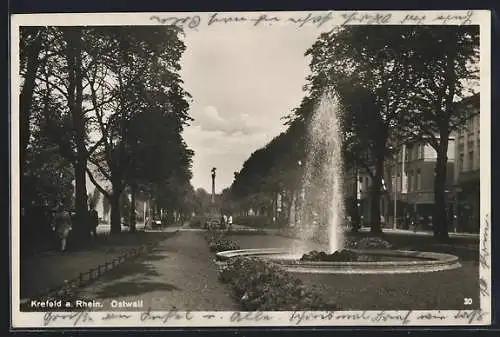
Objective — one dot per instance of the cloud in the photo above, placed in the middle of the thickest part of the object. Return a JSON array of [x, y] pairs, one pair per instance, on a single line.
[[243, 81], [225, 151], [208, 118]]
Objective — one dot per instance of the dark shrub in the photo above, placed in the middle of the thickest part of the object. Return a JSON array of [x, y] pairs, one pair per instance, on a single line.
[[264, 286]]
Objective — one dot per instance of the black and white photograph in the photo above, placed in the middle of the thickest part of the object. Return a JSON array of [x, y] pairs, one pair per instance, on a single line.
[[310, 168]]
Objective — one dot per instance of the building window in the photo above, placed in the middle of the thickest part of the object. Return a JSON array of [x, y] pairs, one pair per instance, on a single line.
[[471, 125], [461, 163], [408, 153], [470, 143], [410, 180], [419, 180], [471, 160], [360, 180], [422, 151]]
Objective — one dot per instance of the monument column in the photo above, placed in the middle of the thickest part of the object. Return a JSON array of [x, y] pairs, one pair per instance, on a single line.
[[213, 184]]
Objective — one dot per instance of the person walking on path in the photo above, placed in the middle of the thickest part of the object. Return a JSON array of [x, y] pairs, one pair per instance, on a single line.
[[230, 222], [94, 221], [62, 224]]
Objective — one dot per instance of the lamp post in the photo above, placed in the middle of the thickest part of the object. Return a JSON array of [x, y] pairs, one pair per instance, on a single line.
[[295, 198], [458, 190], [395, 216], [395, 190]]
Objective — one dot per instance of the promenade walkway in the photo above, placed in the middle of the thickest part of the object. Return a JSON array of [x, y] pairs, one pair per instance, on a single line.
[[179, 274]]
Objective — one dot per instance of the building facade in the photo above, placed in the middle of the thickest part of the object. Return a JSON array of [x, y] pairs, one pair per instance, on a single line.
[[411, 178], [408, 186], [467, 169]]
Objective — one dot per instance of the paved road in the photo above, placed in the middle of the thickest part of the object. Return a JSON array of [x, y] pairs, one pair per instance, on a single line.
[[106, 228], [422, 233]]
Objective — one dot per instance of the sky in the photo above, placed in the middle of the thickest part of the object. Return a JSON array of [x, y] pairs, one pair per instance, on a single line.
[[243, 81]]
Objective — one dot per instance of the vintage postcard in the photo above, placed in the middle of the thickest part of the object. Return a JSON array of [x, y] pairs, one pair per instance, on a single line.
[[250, 169]]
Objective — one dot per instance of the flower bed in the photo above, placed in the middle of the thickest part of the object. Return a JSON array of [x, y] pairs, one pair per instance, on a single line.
[[222, 245], [372, 242], [218, 243], [338, 256], [260, 285]]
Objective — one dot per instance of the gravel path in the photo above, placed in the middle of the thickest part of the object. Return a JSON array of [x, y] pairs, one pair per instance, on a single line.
[[179, 273]]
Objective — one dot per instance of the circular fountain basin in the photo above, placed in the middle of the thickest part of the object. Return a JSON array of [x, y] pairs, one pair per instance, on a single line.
[[388, 261]]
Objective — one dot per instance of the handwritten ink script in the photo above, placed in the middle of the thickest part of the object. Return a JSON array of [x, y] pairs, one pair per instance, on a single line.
[[175, 317], [393, 317], [171, 315], [484, 255], [314, 19], [75, 318], [484, 252]]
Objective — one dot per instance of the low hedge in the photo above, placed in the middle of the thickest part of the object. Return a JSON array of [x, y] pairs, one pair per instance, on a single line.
[[260, 285], [258, 221]]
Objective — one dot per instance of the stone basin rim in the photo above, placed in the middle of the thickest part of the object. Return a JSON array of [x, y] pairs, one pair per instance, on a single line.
[[424, 261]]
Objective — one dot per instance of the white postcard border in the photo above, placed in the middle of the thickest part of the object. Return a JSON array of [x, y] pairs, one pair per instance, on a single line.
[[205, 319]]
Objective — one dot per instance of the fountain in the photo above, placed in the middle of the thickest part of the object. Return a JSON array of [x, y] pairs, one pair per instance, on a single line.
[[321, 210], [321, 214]]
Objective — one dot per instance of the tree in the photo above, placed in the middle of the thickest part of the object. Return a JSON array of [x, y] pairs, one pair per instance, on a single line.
[[410, 76], [30, 50], [140, 66], [368, 70], [447, 64], [57, 86]]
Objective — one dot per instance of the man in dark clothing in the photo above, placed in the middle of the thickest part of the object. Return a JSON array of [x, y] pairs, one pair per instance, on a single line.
[[94, 221]]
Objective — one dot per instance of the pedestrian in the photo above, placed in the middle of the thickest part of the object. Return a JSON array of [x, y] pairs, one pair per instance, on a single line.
[[94, 221], [413, 221], [62, 225], [230, 222], [223, 221]]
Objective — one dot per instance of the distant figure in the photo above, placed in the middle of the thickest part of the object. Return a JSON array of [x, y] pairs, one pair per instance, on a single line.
[[230, 222], [62, 225], [408, 222], [223, 221], [94, 221]]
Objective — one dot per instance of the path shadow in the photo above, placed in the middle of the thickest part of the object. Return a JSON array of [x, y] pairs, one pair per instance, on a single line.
[[131, 269], [133, 289]]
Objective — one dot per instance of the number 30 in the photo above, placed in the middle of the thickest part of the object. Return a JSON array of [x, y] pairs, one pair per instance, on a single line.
[[467, 301]]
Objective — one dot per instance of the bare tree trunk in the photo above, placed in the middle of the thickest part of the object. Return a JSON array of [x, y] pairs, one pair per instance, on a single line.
[[439, 218], [375, 197], [116, 226], [26, 97], [75, 98]]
